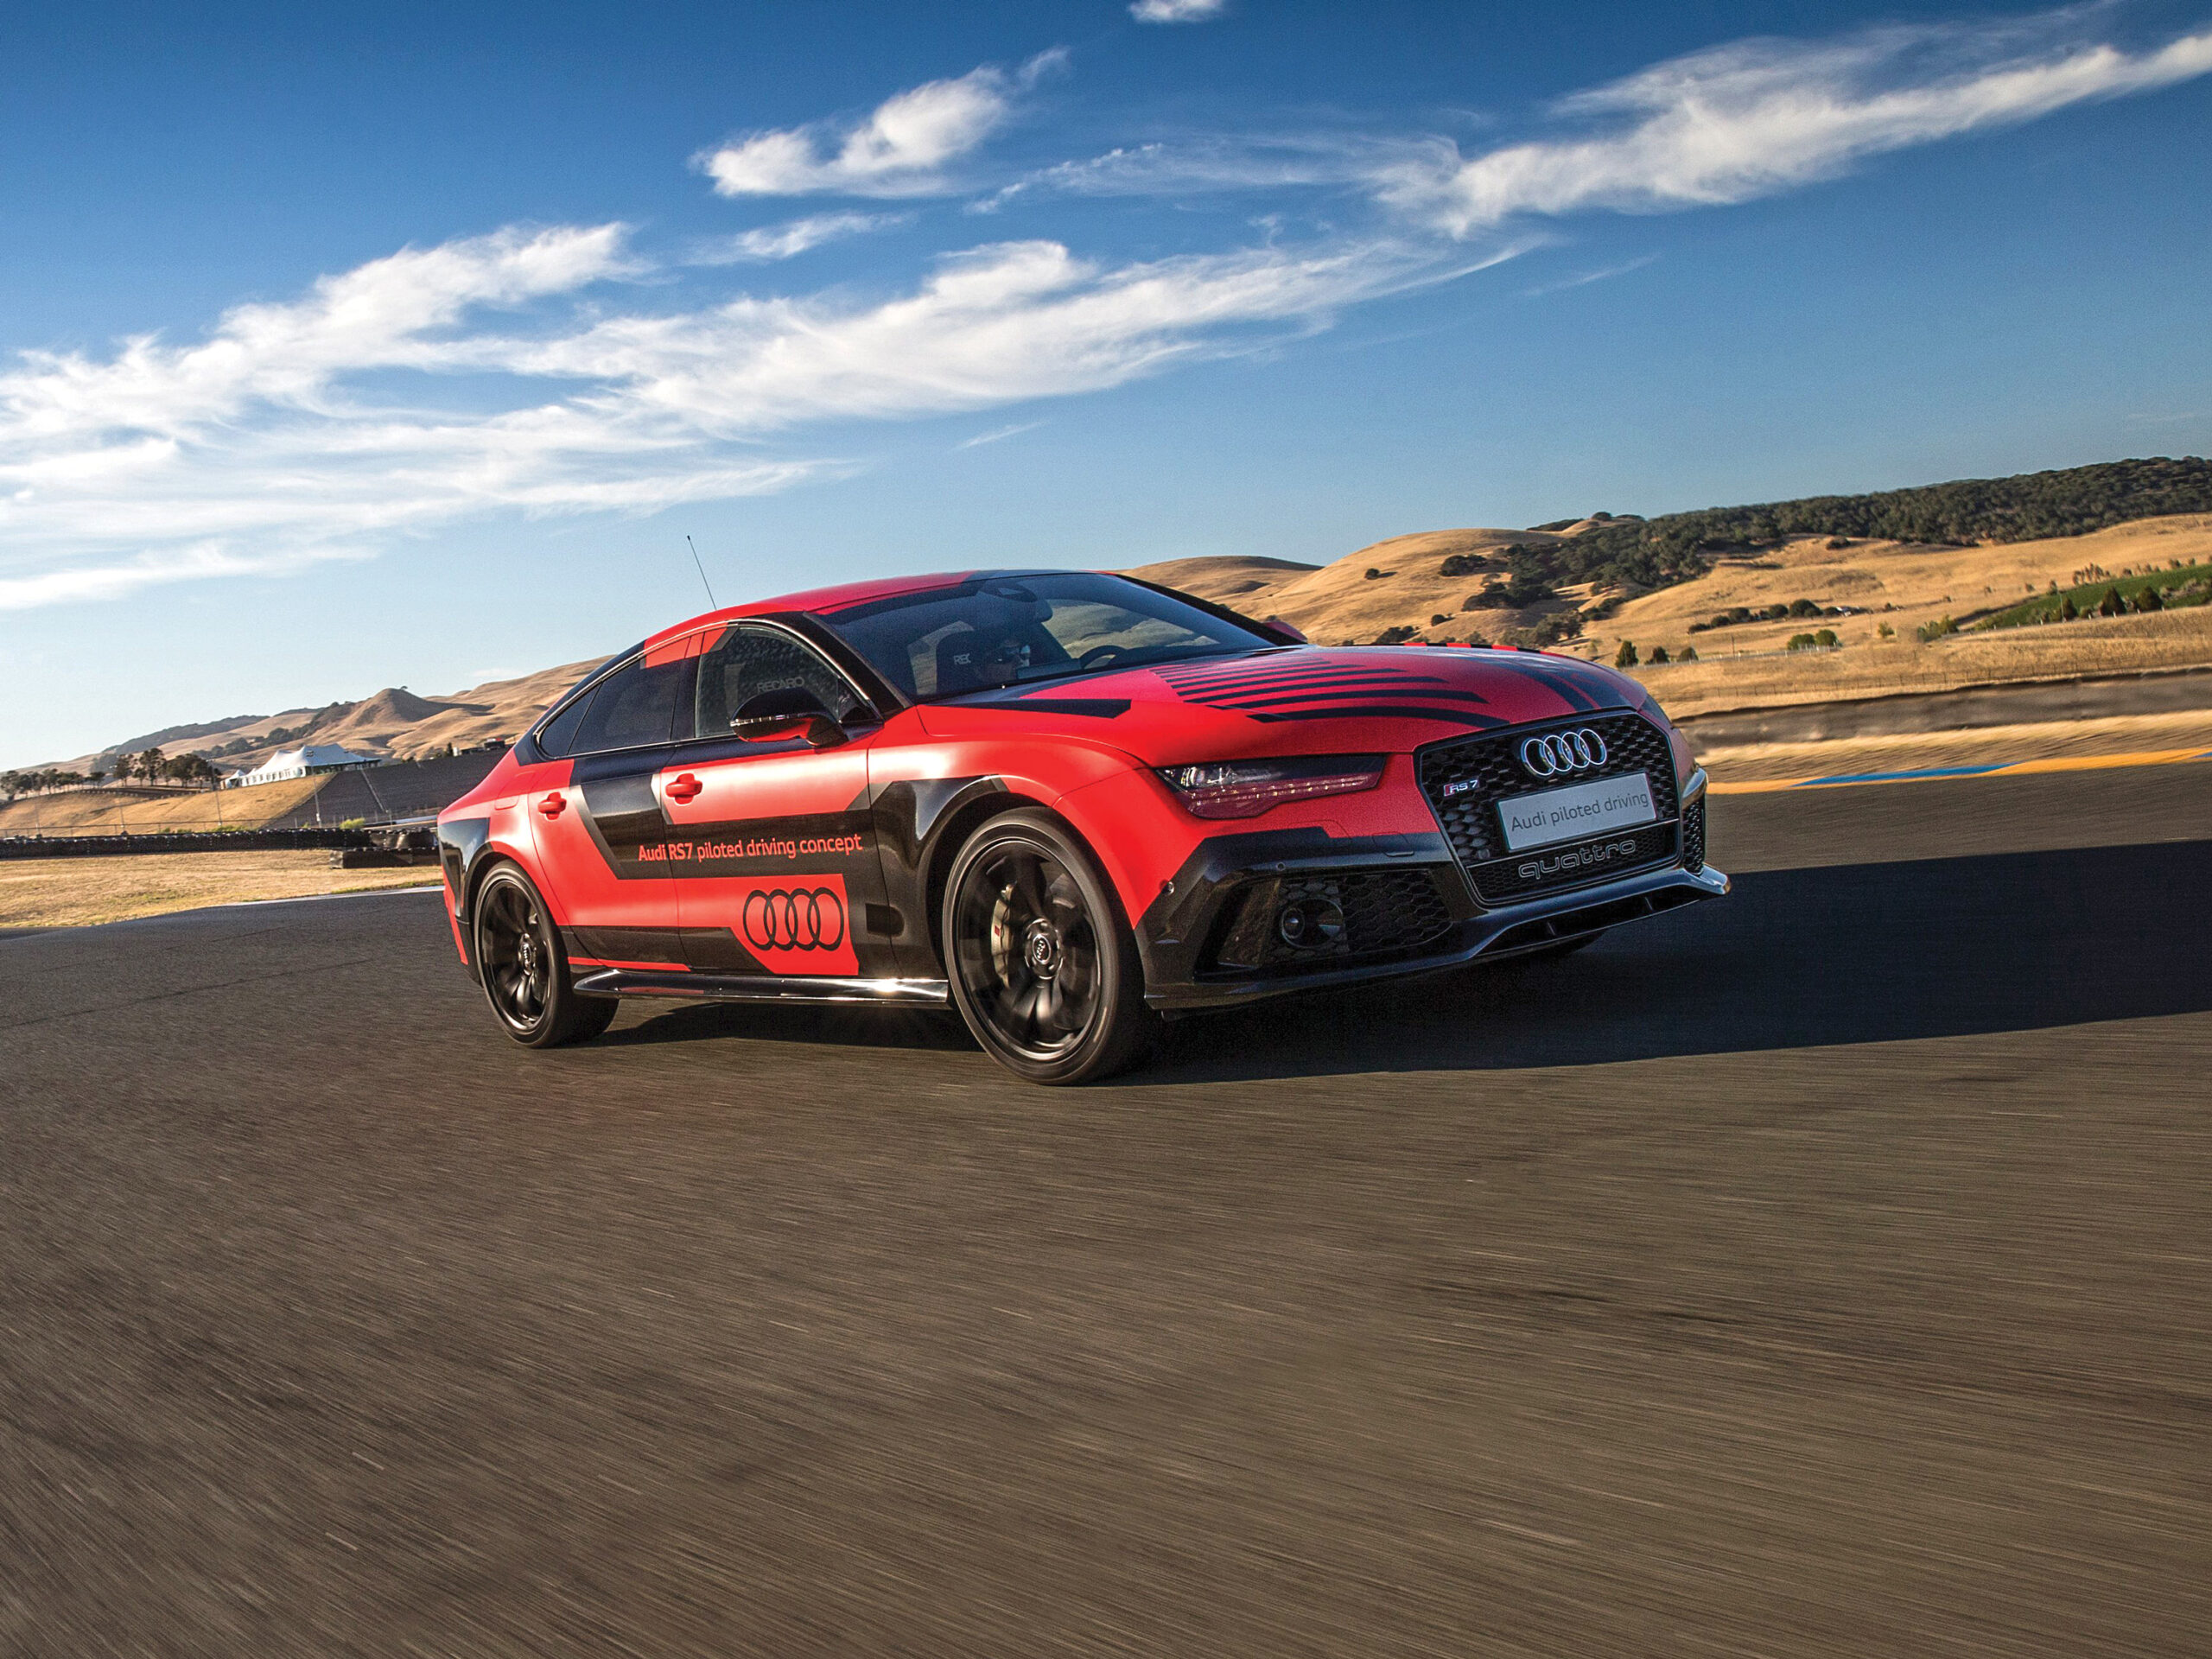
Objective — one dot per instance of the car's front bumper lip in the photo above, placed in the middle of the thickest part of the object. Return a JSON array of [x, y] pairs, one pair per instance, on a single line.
[[1508, 931]]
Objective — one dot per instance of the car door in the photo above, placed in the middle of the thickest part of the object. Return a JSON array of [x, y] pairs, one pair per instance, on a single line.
[[772, 854], [601, 838]]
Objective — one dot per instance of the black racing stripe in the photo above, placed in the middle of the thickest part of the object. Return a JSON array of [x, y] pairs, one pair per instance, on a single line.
[[1450, 717], [1358, 671], [1256, 702], [1258, 687], [1204, 694], [1089, 707], [1562, 686]]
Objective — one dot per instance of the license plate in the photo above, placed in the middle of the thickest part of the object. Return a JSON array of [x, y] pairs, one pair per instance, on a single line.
[[1577, 812]]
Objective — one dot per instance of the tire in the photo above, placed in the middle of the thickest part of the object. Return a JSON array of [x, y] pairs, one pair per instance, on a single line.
[[1043, 966], [523, 969]]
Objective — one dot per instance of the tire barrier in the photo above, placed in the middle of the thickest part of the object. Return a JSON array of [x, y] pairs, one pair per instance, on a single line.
[[229, 841]]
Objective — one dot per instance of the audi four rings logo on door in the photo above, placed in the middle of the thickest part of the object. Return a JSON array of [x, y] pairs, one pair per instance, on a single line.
[[1557, 754], [793, 919]]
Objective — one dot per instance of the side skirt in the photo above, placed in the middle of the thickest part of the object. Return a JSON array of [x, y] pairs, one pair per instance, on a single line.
[[761, 988]]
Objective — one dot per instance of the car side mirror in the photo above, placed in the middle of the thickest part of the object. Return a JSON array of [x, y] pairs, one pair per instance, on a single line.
[[787, 711]]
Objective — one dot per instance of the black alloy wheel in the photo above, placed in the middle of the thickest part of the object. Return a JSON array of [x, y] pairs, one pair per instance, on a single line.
[[524, 970], [1043, 967]]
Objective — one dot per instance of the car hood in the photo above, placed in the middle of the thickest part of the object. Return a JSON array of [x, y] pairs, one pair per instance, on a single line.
[[1300, 700]]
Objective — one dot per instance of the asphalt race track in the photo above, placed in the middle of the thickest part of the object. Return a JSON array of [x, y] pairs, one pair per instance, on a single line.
[[1828, 1270]]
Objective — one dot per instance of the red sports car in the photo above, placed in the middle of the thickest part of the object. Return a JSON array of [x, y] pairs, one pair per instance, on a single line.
[[1068, 804]]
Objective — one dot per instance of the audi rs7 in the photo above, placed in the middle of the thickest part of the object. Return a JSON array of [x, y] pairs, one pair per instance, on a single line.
[[1067, 804]]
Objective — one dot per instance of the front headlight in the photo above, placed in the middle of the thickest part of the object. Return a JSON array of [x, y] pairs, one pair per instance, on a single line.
[[1244, 789]]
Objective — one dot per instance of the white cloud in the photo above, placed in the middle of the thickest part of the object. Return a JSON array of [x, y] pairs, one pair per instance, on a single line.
[[1177, 11], [509, 374], [1759, 117], [1583, 279], [998, 433], [1213, 165], [901, 149], [791, 239], [386, 401]]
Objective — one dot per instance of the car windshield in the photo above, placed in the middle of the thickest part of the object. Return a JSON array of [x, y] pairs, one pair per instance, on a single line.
[[997, 631]]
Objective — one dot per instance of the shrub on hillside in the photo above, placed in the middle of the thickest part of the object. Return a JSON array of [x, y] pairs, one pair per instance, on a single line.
[[1625, 657]]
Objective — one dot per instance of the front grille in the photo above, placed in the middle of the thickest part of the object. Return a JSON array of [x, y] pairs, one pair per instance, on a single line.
[[1483, 770], [1546, 869], [1693, 835], [1385, 912]]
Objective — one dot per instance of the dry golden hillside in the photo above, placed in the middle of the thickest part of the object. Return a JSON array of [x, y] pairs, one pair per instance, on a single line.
[[144, 812], [1230, 579], [1341, 603], [394, 724], [1884, 584]]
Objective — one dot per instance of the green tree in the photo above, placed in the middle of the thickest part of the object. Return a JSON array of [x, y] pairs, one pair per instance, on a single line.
[[1689, 654], [1625, 657], [2148, 600], [2112, 604], [2068, 610], [1826, 637]]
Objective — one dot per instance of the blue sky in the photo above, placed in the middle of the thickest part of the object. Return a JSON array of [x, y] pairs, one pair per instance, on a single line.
[[341, 347]]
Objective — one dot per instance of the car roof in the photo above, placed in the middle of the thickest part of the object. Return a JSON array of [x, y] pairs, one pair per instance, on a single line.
[[826, 602]]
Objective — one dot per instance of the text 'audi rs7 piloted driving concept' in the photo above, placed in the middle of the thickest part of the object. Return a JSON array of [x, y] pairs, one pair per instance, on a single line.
[[1067, 804]]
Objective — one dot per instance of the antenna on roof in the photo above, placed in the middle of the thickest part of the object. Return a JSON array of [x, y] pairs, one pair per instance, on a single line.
[[713, 604]]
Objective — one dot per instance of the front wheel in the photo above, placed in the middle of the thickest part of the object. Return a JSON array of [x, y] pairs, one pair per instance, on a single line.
[[1043, 967], [524, 970]]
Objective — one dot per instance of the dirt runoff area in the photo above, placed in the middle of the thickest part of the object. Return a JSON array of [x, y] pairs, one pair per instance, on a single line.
[[80, 892]]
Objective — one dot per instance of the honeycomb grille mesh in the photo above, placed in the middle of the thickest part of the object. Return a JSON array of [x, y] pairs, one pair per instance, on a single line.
[[1480, 771], [1693, 835], [1385, 912]]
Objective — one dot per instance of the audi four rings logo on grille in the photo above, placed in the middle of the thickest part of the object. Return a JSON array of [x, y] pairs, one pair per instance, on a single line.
[[803, 918], [1557, 754]]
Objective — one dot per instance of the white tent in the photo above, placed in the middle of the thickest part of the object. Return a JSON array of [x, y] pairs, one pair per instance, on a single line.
[[300, 763]]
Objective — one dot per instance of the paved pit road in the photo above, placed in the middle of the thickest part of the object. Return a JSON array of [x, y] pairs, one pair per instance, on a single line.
[[1826, 1270]]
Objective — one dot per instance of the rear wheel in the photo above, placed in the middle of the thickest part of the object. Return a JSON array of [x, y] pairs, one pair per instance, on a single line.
[[524, 970], [1043, 967]]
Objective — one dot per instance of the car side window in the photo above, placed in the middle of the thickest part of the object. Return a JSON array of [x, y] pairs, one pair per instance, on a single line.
[[554, 736], [634, 706], [749, 659]]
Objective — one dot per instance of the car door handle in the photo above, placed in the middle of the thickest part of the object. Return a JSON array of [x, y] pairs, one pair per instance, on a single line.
[[554, 804], [686, 788]]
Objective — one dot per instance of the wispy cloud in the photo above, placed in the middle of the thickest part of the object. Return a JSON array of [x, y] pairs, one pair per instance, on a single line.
[[1583, 279], [1759, 117], [1177, 11], [533, 371], [900, 150], [317, 430], [791, 239], [1248, 162], [994, 435]]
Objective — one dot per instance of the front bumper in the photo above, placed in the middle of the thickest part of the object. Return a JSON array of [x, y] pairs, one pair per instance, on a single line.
[[1181, 935]]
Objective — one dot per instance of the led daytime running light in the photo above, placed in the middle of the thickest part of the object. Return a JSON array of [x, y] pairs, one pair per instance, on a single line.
[[1244, 789]]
